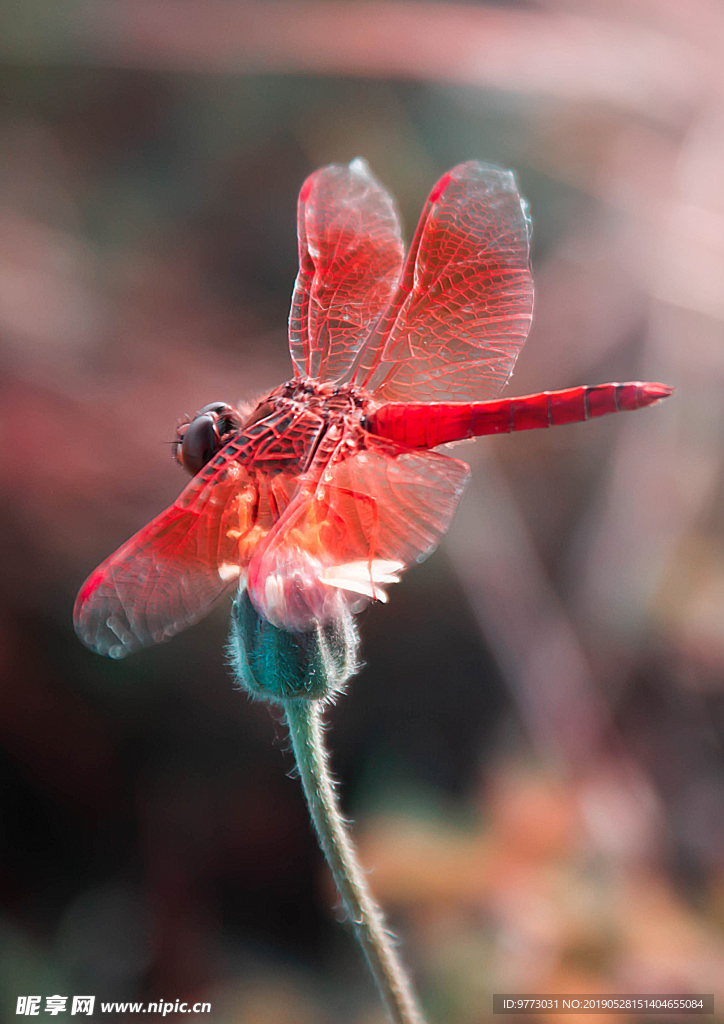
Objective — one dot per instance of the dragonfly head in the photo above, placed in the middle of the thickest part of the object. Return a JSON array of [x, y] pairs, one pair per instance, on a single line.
[[199, 439]]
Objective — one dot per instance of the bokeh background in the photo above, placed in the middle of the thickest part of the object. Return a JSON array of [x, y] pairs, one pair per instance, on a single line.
[[532, 755]]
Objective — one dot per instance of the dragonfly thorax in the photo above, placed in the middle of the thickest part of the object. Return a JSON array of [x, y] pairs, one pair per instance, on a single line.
[[322, 410], [334, 402]]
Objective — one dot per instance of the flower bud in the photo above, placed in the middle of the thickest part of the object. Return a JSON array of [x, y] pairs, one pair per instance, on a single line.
[[277, 664]]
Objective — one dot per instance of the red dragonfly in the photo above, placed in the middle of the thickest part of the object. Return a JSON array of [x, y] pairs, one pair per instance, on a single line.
[[318, 498]]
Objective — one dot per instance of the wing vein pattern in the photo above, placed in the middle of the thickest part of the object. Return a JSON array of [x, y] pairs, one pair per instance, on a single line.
[[463, 307]]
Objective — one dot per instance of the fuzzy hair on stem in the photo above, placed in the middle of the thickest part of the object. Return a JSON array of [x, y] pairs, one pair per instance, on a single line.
[[306, 730]]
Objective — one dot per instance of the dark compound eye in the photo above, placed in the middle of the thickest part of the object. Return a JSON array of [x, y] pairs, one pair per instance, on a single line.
[[199, 444], [198, 441]]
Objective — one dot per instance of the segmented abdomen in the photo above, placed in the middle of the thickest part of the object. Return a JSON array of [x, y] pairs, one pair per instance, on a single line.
[[428, 424]]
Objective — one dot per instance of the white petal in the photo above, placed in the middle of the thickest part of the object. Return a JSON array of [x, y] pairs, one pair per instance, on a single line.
[[378, 570], [382, 565], [357, 587], [273, 592]]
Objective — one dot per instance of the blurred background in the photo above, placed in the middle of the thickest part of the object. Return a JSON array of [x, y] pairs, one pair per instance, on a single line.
[[532, 754]]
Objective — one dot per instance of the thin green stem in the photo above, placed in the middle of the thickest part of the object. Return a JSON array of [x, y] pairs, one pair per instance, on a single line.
[[307, 734]]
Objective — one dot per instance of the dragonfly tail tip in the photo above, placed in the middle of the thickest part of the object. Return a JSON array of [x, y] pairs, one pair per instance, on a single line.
[[654, 392]]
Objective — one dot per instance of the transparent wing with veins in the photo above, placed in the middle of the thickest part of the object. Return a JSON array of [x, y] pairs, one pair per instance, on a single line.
[[169, 574], [372, 514], [462, 311], [350, 257]]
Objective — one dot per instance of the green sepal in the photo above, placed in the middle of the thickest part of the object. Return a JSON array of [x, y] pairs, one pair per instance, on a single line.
[[277, 665]]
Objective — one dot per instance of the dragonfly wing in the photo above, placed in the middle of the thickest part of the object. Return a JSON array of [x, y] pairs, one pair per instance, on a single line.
[[169, 574], [463, 308], [350, 257], [371, 515]]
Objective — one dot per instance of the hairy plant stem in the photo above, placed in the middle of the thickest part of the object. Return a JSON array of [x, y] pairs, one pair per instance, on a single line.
[[306, 730]]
